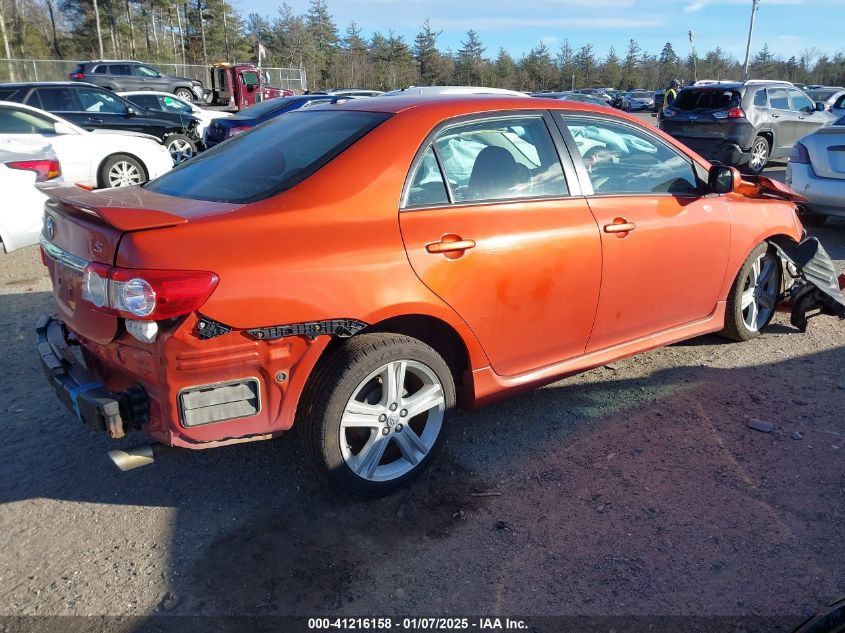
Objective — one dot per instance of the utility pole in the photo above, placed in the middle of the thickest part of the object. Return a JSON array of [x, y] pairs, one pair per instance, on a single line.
[[754, 6], [694, 59]]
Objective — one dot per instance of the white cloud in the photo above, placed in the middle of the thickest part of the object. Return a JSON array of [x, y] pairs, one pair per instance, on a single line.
[[503, 24]]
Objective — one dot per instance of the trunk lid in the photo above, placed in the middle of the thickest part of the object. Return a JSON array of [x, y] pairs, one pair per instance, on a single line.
[[827, 151], [81, 227]]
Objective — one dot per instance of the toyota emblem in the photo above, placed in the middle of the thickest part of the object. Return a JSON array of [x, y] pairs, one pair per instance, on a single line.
[[51, 228]]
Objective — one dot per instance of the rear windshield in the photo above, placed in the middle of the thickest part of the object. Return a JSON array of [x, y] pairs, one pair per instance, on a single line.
[[640, 95], [706, 99], [271, 158]]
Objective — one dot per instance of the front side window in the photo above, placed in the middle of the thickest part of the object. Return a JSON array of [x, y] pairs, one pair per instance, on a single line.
[[269, 159], [146, 72], [427, 186], [100, 101], [22, 122], [840, 103], [172, 104], [801, 102], [501, 159], [624, 160], [778, 98], [249, 78]]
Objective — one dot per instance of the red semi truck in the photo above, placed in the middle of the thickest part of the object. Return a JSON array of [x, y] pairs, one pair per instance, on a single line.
[[238, 86]]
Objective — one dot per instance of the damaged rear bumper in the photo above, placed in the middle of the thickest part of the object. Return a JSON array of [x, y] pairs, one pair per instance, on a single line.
[[816, 286]]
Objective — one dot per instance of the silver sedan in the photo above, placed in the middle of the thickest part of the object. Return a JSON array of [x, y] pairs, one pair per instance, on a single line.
[[816, 170]]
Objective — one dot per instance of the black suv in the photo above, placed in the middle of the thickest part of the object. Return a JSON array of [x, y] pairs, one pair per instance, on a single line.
[[742, 124], [126, 76], [95, 108]]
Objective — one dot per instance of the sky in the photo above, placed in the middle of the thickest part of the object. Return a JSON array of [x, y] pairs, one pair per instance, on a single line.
[[788, 26]]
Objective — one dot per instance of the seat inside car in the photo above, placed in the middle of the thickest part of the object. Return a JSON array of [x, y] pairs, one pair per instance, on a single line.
[[494, 174]]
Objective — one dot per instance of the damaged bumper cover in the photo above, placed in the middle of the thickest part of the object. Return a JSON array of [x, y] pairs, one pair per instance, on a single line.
[[817, 285], [97, 407]]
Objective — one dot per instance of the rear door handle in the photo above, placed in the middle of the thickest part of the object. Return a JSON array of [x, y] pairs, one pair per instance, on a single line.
[[620, 225], [450, 246]]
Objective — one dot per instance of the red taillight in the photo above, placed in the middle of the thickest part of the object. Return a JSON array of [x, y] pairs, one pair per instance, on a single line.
[[146, 295], [77, 76], [736, 113], [44, 169], [237, 130], [799, 154]]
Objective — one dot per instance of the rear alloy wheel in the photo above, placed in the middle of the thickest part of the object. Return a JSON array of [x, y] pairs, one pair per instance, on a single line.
[[184, 93], [181, 148], [759, 156], [754, 295], [122, 171], [374, 413]]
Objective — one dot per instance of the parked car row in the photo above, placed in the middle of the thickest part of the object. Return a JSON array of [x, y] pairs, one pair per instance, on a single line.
[[356, 270]]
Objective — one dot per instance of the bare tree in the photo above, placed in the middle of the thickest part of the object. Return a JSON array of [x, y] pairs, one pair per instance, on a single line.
[[55, 34], [99, 29], [6, 46]]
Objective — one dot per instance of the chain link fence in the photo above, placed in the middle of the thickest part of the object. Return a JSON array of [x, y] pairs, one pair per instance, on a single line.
[[59, 70]]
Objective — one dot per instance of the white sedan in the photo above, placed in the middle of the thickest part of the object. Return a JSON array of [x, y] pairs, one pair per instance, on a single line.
[[103, 158], [816, 170], [166, 102], [23, 204]]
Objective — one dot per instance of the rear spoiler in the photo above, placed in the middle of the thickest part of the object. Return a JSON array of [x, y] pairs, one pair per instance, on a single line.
[[763, 187], [120, 213]]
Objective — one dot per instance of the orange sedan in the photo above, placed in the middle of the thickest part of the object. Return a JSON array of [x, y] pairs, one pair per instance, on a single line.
[[359, 270]]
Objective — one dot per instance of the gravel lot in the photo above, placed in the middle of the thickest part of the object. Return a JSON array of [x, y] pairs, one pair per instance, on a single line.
[[636, 488]]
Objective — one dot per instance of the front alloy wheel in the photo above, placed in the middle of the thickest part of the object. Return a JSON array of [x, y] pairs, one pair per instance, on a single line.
[[375, 411], [754, 295], [181, 148]]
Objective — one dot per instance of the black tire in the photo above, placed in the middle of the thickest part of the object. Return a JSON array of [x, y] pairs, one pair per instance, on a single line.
[[184, 93], [334, 382], [736, 328], [105, 179], [760, 144], [184, 141]]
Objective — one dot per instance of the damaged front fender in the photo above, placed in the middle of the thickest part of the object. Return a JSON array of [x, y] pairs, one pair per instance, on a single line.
[[816, 284]]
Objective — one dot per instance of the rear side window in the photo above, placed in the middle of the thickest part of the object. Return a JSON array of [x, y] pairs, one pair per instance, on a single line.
[[269, 159], [10, 94], [778, 99], [120, 69], [101, 70], [501, 159], [54, 99], [145, 101], [427, 186], [706, 99], [760, 99]]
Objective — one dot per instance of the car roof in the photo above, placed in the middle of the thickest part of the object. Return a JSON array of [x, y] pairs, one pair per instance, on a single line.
[[457, 105], [35, 84]]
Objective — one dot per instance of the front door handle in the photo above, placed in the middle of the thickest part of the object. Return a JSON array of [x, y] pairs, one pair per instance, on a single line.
[[619, 225], [449, 246], [94, 119]]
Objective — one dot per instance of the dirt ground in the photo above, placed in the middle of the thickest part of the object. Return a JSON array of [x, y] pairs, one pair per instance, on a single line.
[[636, 488]]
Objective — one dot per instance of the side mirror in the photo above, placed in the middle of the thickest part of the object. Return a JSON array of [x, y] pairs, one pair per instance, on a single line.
[[821, 106], [63, 128], [131, 111], [723, 179]]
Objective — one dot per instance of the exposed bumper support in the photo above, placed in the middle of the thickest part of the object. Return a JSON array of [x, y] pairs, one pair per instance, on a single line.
[[100, 409], [817, 287]]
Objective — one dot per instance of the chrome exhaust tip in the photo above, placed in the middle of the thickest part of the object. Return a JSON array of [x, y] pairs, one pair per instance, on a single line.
[[134, 457]]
